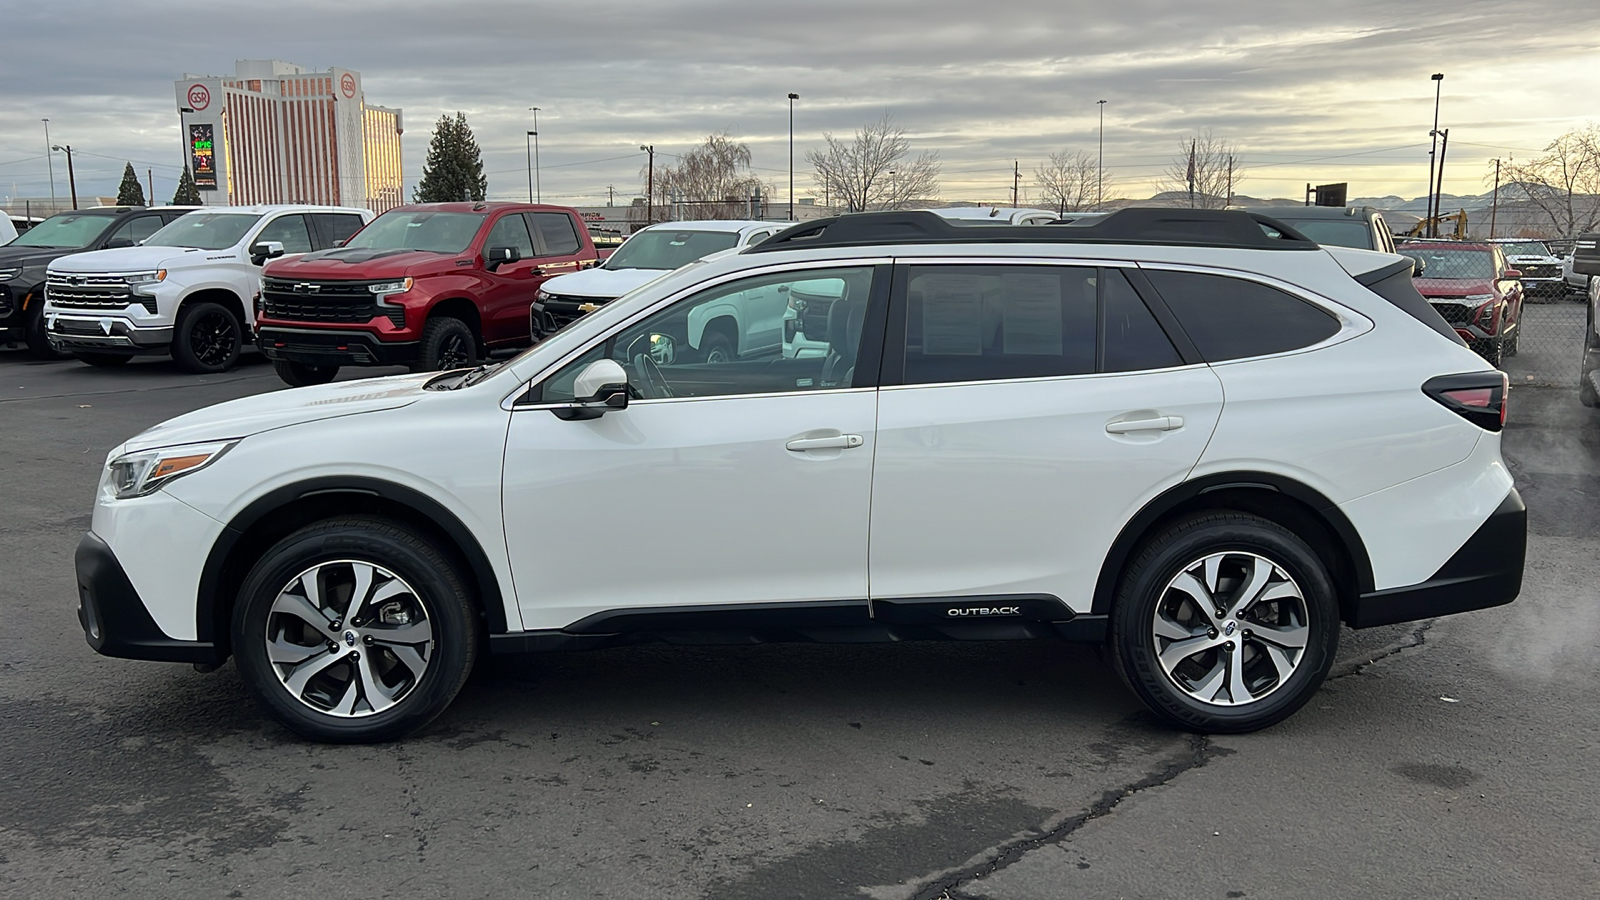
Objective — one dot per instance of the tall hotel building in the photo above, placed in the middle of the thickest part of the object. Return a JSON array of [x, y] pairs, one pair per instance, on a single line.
[[276, 133]]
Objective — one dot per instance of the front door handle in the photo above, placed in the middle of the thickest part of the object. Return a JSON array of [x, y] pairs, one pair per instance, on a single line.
[[837, 442], [1159, 423]]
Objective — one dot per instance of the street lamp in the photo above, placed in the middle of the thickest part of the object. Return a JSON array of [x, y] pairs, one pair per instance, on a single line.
[[538, 188], [49, 162], [72, 180], [1100, 174], [1438, 87], [527, 147], [792, 98]]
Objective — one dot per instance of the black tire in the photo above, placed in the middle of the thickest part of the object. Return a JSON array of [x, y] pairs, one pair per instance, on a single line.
[[717, 348], [1146, 589], [1511, 346], [447, 343], [206, 338], [301, 375], [104, 360], [435, 596], [38, 340], [1494, 351]]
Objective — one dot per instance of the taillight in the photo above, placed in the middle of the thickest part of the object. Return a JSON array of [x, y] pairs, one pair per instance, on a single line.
[[1478, 397]]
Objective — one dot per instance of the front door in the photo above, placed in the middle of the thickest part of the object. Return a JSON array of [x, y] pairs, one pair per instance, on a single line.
[[1039, 407], [510, 286], [723, 482]]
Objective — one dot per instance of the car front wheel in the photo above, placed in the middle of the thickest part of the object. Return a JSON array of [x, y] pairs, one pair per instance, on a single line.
[[1225, 622], [354, 630], [446, 344], [206, 338]]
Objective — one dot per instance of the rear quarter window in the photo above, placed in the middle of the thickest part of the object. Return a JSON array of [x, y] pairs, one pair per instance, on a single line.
[[1231, 318]]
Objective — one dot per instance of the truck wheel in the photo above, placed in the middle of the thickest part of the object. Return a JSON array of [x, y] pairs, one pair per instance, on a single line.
[[206, 338], [717, 347], [104, 360], [447, 344], [301, 375], [38, 341], [1494, 351], [354, 629], [1225, 622]]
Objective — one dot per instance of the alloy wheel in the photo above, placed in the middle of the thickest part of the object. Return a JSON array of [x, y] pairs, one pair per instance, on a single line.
[[1230, 628], [213, 337], [453, 353], [349, 638]]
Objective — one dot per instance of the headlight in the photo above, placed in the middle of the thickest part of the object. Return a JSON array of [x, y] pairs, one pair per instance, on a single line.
[[138, 474], [391, 287], [8, 274], [542, 295], [141, 281]]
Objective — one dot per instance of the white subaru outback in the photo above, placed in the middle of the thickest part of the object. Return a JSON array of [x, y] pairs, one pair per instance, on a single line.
[[1200, 441]]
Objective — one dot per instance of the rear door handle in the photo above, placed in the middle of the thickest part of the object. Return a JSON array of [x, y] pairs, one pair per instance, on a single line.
[[837, 442], [1159, 423]]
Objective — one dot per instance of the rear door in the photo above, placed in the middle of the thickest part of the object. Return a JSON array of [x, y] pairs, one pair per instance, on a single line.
[[333, 229], [1029, 409]]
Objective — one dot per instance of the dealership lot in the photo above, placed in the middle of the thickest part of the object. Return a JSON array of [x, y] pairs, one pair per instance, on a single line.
[[1444, 758]]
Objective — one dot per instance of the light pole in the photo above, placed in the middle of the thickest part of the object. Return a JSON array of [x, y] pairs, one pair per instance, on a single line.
[[538, 188], [792, 98], [527, 147], [650, 186], [1100, 169], [72, 180], [1438, 87], [50, 163]]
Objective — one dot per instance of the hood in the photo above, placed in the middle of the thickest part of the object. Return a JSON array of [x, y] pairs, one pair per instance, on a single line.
[[135, 259], [295, 406], [601, 284], [11, 257], [342, 263], [1452, 287]]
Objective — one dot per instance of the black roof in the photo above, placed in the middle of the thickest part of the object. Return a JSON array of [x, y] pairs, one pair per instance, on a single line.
[[1133, 225], [99, 210]]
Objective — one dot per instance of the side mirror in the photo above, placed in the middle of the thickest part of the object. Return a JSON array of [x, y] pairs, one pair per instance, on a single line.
[[1418, 266], [495, 257], [600, 388], [339, 242], [661, 348], [116, 243], [1512, 273], [266, 250]]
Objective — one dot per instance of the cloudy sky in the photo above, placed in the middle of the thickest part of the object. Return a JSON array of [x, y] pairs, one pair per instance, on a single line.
[[1330, 91]]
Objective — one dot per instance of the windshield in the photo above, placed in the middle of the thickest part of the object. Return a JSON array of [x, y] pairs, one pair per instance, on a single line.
[[65, 230], [1446, 263], [1526, 248], [204, 231], [1335, 232], [436, 232], [669, 248]]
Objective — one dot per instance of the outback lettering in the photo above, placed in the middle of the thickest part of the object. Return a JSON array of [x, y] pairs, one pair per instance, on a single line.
[[959, 611]]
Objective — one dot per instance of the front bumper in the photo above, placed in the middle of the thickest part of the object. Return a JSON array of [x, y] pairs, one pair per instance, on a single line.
[[319, 347], [90, 333], [1486, 571], [114, 618], [550, 315]]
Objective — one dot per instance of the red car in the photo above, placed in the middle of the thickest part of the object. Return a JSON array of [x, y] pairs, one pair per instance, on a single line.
[[1476, 291], [427, 285]]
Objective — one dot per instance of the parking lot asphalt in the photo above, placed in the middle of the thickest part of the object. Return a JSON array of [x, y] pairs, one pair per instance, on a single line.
[[1446, 758]]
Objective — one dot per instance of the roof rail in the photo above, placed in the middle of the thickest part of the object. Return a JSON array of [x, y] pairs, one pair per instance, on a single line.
[[1130, 225]]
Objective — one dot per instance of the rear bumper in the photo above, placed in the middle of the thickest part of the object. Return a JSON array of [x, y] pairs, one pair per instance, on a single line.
[[315, 347], [114, 618], [1485, 572]]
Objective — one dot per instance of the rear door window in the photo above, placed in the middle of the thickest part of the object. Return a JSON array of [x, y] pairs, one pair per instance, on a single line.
[[337, 227], [1231, 318]]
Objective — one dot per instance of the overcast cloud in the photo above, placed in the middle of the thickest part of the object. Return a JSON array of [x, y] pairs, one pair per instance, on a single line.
[[1330, 91]]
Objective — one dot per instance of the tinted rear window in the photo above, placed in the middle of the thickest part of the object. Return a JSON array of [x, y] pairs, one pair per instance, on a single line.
[[1230, 318]]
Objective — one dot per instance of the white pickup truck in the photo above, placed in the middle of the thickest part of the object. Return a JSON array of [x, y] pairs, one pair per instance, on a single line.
[[189, 289]]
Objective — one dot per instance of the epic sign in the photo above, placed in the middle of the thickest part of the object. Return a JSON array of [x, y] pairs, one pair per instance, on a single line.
[[203, 157]]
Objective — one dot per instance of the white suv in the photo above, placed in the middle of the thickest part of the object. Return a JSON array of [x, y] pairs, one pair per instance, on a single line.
[[1165, 430], [190, 289]]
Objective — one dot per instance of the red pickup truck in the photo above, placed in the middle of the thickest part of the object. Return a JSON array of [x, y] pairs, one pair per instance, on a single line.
[[428, 285]]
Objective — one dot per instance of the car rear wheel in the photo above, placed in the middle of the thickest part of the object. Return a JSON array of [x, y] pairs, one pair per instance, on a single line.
[[717, 347], [447, 344], [104, 360], [301, 375], [1225, 622], [354, 630], [207, 337]]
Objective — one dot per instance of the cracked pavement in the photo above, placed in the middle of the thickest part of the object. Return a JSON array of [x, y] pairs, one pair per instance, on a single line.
[[1449, 758]]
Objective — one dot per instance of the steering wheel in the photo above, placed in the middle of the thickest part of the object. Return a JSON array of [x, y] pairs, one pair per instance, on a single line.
[[654, 379]]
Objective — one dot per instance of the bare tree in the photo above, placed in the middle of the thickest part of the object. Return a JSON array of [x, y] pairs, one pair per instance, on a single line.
[[1204, 174], [875, 170], [712, 181], [1563, 184], [1070, 181]]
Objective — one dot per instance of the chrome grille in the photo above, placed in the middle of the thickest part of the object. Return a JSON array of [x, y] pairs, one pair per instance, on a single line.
[[93, 292]]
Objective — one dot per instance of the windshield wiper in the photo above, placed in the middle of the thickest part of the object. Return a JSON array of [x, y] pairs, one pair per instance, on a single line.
[[479, 374]]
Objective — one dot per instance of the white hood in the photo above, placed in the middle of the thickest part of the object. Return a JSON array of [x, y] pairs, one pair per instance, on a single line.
[[264, 412], [601, 284], [134, 259]]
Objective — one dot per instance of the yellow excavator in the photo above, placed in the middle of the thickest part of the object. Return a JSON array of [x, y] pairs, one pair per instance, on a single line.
[[1459, 217]]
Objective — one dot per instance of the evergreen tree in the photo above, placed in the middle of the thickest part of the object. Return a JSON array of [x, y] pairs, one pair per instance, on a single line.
[[130, 192], [187, 194], [454, 170]]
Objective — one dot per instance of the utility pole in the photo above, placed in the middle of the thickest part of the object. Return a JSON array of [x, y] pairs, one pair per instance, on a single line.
[[1494, 200], [650, 186], [1444, 145], [72, 180], [1016, 180], [1193, 143], [537, 187], [792, 98], [50, 163], [611, 195], [1438, 87], [1100, 173], [150, 185], [1229, 201]]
